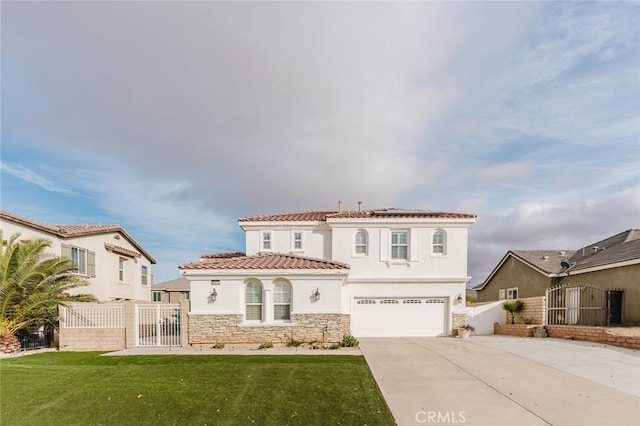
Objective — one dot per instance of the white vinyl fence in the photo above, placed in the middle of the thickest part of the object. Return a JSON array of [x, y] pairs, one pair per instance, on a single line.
[[92, 315]]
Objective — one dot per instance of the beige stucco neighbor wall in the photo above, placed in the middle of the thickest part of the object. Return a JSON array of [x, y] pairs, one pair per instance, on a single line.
[[626, 278], [210, 329]]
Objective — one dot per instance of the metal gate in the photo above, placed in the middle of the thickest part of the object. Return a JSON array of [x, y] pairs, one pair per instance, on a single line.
[[158, 325], [571, 304]]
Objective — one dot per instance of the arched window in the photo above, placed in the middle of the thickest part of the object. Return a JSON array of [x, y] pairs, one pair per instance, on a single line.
[[253, 301], [439, 242], [281, 301], [361, 242]]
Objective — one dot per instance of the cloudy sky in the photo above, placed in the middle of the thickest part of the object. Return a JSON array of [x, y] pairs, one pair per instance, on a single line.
[[173, 119]]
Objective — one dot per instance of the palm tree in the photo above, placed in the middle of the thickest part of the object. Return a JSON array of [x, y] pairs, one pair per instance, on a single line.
[[513, 308], [32, 286]]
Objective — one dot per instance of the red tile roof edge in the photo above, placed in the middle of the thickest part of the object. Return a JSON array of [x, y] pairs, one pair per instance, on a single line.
[[266, 261], [67, 231]]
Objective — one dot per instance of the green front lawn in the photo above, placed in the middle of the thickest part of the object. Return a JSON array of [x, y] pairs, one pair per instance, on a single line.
[[87, 389]]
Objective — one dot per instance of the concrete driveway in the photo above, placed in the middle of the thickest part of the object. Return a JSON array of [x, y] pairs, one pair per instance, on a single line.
[[498, 380]]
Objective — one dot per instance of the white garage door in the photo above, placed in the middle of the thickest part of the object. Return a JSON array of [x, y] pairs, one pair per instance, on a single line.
[[396, 317]]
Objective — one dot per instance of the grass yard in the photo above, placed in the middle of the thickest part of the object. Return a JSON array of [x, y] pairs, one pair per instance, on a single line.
[[86, 389]]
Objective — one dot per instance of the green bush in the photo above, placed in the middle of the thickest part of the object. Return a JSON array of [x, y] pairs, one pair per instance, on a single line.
[[294, 343], [265, 345], [218, 346], [348, 341], [514, 307], [334, 346]]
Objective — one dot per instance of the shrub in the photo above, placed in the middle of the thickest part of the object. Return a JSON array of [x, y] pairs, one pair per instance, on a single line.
[[334, 346], [514, 307], [265, 345], [218, 346], [294, 343], [348, 341]]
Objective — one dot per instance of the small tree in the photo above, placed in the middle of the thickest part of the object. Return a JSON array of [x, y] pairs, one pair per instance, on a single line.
[[32, 286], [513, 307]]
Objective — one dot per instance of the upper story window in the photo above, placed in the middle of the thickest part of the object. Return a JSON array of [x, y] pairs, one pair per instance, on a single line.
[[266, 241], [399, 245], [512, 293], [121, 263], [253, 301], [361, 242], [297, 240], [439, 242], [83, 260], [156, 296], [282, 301], [144, 272], [184, 295]]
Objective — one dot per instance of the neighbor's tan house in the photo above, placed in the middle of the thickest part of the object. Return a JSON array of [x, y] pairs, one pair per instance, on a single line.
[[114, 264], [612, 264]]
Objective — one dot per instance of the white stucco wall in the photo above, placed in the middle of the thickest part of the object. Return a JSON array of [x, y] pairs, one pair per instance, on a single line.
[[483, 316], [316, 240], [106, 284], [423, 263], [230, 293]]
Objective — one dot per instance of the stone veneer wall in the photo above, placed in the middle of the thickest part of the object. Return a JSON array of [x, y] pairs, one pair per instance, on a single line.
[[210, 329], [458, 320]]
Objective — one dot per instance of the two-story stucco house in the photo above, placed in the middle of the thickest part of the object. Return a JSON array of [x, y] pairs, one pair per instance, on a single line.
[[106, 256], [322, 274]]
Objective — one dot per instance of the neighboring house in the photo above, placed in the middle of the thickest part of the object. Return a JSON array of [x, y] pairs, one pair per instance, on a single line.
[[171, 291], [612, 264], [322, 274], [106, 256]]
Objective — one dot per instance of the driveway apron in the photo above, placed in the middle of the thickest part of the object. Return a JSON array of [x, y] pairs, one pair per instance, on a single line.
[[456, 381]]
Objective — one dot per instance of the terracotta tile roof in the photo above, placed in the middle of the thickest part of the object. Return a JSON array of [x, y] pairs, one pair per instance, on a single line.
[[266, 261], [121, 250], [69, 231], [225, 255], [78, 230], [310, 216], [321, 216]]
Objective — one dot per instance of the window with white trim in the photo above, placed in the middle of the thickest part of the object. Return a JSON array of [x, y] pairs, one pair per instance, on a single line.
[[253, 301], [121, 262], [156, 296], [83, 260], [184, 295], [297, 240], [144, 273], [439, 242], [266, 241], [501, 294], [282, 301], [512, 293], [361, 242], [399, 245]]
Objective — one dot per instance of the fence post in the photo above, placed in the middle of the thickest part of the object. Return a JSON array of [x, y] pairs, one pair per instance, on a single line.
[[184, 323], [130, 324]]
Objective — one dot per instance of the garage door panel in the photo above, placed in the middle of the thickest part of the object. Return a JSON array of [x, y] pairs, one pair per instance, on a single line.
[[403, 317]]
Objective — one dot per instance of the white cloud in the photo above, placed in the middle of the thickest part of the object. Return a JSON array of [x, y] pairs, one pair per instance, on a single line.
[[34, 178], [191, 114]]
